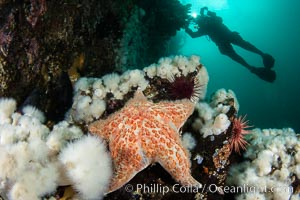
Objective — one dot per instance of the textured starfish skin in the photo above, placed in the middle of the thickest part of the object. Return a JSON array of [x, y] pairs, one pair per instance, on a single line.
[[142, 133]]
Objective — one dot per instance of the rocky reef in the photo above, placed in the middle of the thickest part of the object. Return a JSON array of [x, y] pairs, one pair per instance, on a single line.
[[39, 40], [176, 85], [68, 67]]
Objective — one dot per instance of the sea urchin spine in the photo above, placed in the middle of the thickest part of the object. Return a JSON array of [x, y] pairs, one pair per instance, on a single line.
[[238, 132], [185, 87]]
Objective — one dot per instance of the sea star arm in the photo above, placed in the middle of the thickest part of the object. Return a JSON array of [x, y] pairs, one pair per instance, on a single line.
[[162, 144], [177, 112], [128, 160], [99, 128], [172, 156]]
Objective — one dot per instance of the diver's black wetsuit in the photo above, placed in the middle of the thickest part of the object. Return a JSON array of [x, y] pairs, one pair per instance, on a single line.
[[220, 34]]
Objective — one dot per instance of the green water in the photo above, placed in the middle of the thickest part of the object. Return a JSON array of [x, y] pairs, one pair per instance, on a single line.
[[273, 27]]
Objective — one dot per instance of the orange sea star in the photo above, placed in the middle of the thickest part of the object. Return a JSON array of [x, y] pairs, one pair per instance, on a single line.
[[143, 132]]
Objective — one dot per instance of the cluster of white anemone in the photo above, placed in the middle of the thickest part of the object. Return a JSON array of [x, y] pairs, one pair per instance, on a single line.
[[273, 165], [170, 67], [212, 119], [90, 93], [35, 160]]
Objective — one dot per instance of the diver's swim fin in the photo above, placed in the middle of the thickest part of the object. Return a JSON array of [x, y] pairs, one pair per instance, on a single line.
[[268, 61], [264, 73]]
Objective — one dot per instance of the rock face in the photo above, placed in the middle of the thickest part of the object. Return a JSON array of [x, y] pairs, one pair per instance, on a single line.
[[39, 39]]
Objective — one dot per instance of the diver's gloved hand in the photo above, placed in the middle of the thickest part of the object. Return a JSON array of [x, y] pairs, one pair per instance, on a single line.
[[263, 73]]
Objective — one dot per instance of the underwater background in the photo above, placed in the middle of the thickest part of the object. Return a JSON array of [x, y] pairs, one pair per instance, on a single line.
[[67, 67], [272, 26]]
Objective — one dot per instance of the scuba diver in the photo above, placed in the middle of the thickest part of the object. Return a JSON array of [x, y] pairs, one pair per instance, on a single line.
[[212, 25]]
